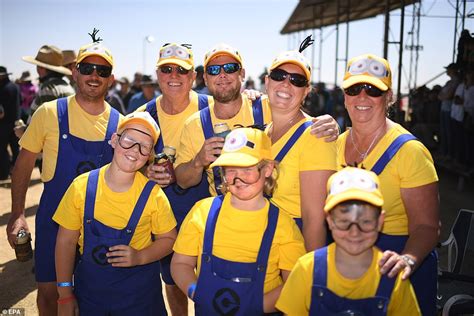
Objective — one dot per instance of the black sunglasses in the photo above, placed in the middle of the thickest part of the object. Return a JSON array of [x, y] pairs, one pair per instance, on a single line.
[[372, 91], [169, 69], [87, 69], [297, 80], [229, 68]]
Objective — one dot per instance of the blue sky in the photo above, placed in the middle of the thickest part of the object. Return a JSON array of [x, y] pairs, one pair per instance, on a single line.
[[252, 26]]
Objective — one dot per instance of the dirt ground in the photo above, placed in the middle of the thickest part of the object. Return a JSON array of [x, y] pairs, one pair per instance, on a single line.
[[17, 285]]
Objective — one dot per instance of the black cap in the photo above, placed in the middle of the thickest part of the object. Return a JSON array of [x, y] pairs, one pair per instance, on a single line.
[[147, 80], [3, 71], [451, 66]]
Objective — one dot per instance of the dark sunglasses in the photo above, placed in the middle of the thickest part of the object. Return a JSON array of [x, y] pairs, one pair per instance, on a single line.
[[87, 69], [297, 80], [371, 90], [169, 69], [229, 68]]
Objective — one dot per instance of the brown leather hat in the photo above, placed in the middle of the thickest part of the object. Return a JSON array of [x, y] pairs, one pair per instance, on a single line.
[[49, 57]]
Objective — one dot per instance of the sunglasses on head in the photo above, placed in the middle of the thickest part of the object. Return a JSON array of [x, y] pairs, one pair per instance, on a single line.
[[168, 69], [372, 91], [297, 80], [229, 68], [87, 69]]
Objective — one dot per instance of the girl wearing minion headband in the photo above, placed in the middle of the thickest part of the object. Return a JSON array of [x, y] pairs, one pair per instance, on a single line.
[[241, 247]]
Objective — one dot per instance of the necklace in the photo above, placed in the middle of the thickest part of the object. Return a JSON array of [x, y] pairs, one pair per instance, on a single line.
[[277, 134], [362, 155]]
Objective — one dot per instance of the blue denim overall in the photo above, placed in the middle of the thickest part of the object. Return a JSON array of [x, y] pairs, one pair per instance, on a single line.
[[105, 290], [425, 278], [181, 200], [75, 156], [324, 302], [227, 287]]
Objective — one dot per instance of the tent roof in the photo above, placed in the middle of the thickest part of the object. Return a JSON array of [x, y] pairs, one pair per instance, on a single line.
[[313, 14]]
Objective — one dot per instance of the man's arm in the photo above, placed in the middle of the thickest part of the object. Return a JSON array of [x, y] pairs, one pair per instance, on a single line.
[[190, 173], [21, 176]]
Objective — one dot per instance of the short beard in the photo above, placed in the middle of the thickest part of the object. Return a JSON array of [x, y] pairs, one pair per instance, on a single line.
[[226, 97]]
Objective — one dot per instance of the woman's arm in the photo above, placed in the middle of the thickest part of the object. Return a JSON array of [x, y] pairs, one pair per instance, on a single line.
[[182, 271], [422, 207], [313, 196]]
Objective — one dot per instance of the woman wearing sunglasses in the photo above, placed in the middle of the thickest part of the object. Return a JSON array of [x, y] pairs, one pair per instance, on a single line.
[[405, 167], [306, 162]]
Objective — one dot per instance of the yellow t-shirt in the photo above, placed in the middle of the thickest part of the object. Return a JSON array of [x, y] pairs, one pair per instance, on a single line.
[[192, 137], [115, 208], [238, 236], [307, 154], [171, 125], [295, 298], [412, 166], [42, 135]]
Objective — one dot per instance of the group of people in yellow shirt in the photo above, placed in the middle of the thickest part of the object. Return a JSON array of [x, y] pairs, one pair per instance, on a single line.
[[271, 192]]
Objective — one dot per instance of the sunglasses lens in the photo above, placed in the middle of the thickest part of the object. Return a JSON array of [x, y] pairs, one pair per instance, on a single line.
[[182, 71], [103, 71], [213, 70], [373, 91], [278, 75], [230, 68], [86, 69], [298, 80], [166, 69], [353, 90]]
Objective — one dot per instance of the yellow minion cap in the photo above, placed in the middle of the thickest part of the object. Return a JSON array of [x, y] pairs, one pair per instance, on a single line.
[[244, 147], [177, 55], [222, 49], [293, 57], [142, 118], [353, 184], [370, 69], [95, 49]]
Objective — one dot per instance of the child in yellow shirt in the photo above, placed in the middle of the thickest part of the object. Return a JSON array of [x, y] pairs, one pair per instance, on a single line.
[[112, 214], [241, 247], [345, 276]]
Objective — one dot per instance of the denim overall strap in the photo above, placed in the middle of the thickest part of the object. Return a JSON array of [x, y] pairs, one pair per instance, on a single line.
[[151, 108], [391, 151], [207, 128], [296, 135], [211, 225], [203, 101], [89, 205], [113, 123], [257, 112], [266, 244], [320, 270]]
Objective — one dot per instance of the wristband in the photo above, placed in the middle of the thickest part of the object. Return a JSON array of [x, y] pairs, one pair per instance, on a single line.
[[191, 289], [66, 300], [64, 284]]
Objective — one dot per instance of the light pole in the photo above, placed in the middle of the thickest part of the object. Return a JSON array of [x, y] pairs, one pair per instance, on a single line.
[[146, 39]]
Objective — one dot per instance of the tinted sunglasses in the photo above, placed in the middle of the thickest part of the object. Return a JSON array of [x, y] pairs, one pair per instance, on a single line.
[[178, 69], [372, 91], [87, 69], [297, 80], [229, 68]]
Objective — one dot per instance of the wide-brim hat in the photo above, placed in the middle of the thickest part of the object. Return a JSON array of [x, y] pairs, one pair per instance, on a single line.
[[69, 57], [49, 57], [25, 76], [177, 55], [293, 57], [222, 50], [4, 71], [244, 147], [147, 80], [95, 49], [142, 118], [353, 184], [369, 69]]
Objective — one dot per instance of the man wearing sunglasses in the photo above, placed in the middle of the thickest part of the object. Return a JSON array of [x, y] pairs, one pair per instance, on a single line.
[[73, 135]]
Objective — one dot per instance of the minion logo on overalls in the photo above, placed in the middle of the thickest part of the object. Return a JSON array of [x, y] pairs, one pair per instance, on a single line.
[[226, 302], [85, 166], [99, 255]]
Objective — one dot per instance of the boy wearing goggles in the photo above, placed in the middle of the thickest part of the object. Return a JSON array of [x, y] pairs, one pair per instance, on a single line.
[[112, 213], [241, 246], [73, 136], [345, 277]]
